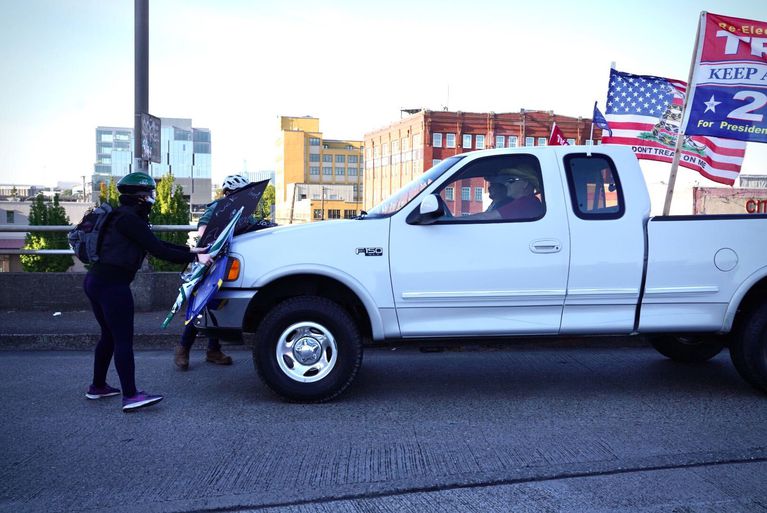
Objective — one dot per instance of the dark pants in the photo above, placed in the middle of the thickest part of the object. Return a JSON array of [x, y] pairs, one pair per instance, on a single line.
[[190, 333], [112, 304]]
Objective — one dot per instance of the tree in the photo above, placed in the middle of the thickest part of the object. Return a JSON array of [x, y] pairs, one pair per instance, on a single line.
[[264, 209], [42, 214], [170, 208], [108, 193]]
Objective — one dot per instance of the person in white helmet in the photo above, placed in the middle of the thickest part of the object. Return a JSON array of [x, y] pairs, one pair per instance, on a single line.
[[214, 354]]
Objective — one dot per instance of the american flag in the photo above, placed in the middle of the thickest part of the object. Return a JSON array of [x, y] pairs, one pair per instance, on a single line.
[[645, 112]]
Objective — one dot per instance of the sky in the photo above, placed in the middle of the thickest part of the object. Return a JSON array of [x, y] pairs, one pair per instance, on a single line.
[[235, 66]]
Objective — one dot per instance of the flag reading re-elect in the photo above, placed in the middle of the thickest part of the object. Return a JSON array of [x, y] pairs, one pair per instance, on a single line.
[[729, 86], [645, 112]]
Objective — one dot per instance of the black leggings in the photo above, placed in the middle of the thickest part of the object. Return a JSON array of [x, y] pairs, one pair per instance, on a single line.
[[112, 305]]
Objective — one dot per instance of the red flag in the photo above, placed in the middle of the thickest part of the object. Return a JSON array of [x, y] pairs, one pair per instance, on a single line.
[[557, 138]]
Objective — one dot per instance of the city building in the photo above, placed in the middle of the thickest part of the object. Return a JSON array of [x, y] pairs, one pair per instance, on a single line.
[[315, 178], [185, 153], [402, 151]]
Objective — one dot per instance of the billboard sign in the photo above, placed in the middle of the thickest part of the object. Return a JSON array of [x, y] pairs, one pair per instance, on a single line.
[[150, 138]]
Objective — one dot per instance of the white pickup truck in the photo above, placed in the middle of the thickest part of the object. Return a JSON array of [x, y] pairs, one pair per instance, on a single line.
[[579, 254]]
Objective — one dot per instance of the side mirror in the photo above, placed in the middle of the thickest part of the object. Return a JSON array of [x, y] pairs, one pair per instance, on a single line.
[[431, 208]]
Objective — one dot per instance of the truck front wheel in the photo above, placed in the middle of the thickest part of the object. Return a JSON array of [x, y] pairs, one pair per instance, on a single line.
[[688, 349], [308, 349], [748, 349]]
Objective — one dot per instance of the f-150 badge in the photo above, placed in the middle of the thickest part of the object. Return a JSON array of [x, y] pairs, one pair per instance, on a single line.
[[370, 251]]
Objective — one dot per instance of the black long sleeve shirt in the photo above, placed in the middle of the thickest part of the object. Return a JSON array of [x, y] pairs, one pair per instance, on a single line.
[[127, 240]]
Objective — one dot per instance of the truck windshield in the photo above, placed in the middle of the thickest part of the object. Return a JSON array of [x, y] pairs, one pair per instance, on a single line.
[[398, 200]]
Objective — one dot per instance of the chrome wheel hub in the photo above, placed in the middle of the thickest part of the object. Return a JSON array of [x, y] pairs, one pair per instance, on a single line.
[[306, 352]]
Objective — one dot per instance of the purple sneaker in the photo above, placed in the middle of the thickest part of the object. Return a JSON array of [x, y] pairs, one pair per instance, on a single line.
[[140, 400], [101, 392]]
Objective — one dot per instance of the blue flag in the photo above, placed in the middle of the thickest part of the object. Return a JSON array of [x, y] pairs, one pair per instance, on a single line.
[[600, 121]]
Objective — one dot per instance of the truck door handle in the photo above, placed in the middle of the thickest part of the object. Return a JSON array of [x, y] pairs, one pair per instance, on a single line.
[[545, 246]]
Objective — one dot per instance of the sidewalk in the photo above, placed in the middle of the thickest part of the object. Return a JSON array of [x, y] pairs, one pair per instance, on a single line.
[[49, 330]]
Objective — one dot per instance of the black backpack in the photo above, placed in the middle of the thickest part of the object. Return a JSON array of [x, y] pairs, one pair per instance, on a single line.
[[85, 238]]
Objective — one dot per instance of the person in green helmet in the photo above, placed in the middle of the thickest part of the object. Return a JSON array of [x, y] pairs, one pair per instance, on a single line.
[[127, 238]]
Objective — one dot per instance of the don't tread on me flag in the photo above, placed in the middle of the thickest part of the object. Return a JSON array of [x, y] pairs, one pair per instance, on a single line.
[[645, 112]]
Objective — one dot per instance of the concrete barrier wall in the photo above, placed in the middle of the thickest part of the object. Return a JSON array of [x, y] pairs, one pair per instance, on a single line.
[[64, 291]]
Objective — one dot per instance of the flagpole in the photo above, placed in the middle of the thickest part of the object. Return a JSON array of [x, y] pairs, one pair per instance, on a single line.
[[591, 134], [680, 136]]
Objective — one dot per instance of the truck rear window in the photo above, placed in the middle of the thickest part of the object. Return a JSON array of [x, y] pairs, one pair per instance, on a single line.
[[595, 191]]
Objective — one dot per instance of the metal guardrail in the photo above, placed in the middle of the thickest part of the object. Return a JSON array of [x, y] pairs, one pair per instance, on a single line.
[[11, 228]]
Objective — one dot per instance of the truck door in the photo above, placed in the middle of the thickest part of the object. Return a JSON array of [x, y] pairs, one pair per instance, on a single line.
[[607, 238], [489, 268]]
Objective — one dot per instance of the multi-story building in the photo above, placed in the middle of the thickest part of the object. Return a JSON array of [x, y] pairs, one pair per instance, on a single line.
[[315, 178], [397, 154], [185, 153]]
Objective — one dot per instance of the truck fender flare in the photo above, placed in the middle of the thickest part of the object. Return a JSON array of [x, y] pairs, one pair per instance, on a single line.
[[740, 293], [374, 314]]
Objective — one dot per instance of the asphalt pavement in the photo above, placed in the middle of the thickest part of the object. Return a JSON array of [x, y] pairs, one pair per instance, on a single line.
[[555, 430]]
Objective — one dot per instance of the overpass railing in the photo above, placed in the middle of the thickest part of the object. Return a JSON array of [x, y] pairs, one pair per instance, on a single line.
[[15, 228]]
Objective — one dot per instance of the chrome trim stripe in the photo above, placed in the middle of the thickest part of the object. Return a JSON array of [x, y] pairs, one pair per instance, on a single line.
[[705, 290], [487, 295]]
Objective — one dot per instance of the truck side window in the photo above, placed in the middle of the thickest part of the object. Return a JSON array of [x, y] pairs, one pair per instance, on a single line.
[[595, 190], [497, 188]]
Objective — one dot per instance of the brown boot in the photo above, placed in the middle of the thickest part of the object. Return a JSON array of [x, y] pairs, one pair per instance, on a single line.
[[182, 357], [216, 356]]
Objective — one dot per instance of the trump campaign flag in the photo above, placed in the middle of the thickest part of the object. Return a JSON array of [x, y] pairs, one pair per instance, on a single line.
[[728, 90], [557, 138], [645, 112]]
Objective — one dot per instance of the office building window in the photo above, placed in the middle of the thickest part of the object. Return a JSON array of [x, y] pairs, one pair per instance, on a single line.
[[351, 171], [327, 158], [350, 214], [477, 193], [542, 141], [449, 140], [314, 141], [105, 137], [466, 141], [314, 157], [480, 140], [10, 216], [327, 171], [340, 159], [465, 193], [352, 159], [340, 171], [436, 140], [499, 141], [314, 170], [512, 141], [529, 141], [317, 213], [449, 194], [334, 213]]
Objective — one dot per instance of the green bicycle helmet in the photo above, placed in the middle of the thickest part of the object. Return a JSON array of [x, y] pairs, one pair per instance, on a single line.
[[136, 183]]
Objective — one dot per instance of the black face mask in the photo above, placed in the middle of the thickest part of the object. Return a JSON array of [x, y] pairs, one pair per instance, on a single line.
[[139, 204]]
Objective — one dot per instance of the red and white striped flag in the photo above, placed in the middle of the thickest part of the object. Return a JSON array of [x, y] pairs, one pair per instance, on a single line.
[[645, 112], [557, 138]]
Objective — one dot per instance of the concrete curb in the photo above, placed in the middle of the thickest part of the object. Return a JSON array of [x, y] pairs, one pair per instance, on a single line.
[[86, 342]]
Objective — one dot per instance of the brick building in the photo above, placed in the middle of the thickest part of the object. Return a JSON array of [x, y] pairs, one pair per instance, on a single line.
[[396, 154]]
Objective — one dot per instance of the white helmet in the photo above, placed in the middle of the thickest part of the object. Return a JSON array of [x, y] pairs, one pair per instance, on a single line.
[[234, 182]]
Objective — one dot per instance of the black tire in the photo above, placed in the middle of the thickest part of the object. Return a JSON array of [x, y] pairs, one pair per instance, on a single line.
[[325, 331], [688, 349], [748, 349]]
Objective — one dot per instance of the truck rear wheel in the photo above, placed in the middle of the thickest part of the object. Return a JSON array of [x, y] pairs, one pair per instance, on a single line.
[[688, 349], [748, 349], [308, 349]]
